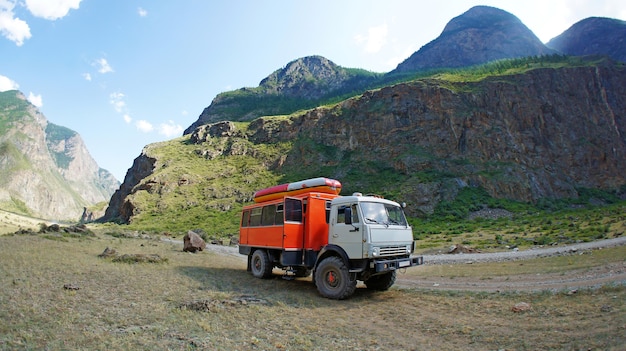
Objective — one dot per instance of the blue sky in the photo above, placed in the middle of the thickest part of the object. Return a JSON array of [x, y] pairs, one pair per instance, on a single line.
[[127, 73]]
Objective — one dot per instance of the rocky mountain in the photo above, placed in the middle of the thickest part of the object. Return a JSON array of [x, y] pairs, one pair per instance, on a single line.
[[480, 35], [528, 128], [45, 169], [593, 36], [543, 132], [302, 83]]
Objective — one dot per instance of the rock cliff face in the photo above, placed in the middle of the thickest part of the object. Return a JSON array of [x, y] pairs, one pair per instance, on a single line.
[[593, 36], [120, 208], [542, 134], [528, 136], [45, 169], [480, 35]]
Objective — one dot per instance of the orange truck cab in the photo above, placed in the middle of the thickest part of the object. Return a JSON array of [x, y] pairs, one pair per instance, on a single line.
[[306, 227]]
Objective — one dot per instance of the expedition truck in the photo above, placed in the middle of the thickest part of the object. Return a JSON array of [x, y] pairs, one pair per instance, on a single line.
[[307, 227]]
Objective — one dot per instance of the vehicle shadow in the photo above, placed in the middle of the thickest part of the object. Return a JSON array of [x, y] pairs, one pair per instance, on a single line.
[[275, 289]]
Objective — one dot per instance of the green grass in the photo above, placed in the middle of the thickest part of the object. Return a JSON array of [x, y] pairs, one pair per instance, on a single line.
[[62, 296]]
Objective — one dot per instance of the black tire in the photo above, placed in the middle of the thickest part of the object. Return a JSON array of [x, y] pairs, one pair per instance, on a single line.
[[333, 280], [260, 264], [381, 282]]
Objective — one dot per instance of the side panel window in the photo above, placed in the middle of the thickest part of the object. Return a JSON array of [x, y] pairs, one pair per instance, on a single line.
[[255, 217], [279, 214], [293, 210], [245, 218], [327, 211], [269, 212]]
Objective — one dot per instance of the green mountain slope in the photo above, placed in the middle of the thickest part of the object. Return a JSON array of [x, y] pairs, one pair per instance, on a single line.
[[507, 133]]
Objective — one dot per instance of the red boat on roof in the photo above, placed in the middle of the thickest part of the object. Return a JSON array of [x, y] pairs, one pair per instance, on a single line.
[[322, 185]]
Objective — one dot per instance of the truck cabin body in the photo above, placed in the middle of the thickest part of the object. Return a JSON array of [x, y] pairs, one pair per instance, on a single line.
[[299, 231]]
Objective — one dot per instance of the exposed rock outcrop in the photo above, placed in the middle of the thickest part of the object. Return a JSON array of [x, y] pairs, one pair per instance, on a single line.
[[120, 209]]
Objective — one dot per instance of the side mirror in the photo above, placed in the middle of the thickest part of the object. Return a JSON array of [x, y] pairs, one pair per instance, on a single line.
[[348, 215]]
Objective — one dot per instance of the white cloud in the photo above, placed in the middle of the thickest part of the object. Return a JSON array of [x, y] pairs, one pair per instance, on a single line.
[[144, 126], [375, 39], [103, 66], [127, 118], [117, 100], [87, 77], [51, 9], [12, 27], [142, 12], [7, 84], [170, 129], [35, 99]]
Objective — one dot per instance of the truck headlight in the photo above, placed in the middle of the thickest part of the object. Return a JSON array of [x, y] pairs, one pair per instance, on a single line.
[[375, 251], [408, 249]]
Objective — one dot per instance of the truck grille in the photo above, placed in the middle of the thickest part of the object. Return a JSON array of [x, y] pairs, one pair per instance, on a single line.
[[393, 250]]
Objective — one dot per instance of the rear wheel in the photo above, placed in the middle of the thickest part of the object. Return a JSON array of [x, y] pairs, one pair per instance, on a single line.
[[260, 264], [381, 282], [333, 279]]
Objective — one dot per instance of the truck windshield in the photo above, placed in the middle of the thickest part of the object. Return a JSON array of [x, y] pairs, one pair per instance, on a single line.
[[375, 212]]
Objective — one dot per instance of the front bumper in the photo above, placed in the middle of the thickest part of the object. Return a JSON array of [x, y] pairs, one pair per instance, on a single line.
[[383, 265]]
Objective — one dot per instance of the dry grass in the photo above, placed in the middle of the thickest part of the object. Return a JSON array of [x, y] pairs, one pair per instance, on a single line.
[[12, 222], [150, 306]]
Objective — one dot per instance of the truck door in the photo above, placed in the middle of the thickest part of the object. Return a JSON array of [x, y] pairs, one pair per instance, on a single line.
[[293, 231], [348, 235]]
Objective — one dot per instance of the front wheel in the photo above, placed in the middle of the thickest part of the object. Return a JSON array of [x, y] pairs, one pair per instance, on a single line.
[[260, 264], [333, 279]]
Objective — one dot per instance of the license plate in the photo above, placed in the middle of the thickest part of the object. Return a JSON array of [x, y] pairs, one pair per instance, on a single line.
[[404, 263]]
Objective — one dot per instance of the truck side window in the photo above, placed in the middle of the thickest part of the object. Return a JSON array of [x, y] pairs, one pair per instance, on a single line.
[[327, 212], [355, 214], [255, 217], [269, 212], [293, 210], [341, 214], [279, 214], [245, 218]]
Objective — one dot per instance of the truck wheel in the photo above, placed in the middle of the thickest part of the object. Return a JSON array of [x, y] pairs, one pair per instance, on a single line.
[[333, 280], [381, 282], [260, 264]]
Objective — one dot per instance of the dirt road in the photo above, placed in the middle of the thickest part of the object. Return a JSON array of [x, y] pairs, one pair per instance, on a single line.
[[613, 273]]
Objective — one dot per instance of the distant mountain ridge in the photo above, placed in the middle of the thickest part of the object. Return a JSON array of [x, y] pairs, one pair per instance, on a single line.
[[302, 83], [480, 35], [45, 169], [593, 36]]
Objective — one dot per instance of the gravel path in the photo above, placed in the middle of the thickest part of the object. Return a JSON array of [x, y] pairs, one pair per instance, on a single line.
[[521, 255], [613, 273]]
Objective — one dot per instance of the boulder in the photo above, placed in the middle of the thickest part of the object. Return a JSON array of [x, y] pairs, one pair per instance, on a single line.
[[193, 242]]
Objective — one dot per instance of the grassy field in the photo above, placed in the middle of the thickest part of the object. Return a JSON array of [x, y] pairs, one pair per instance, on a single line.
[[56, 293], [12, 222]]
